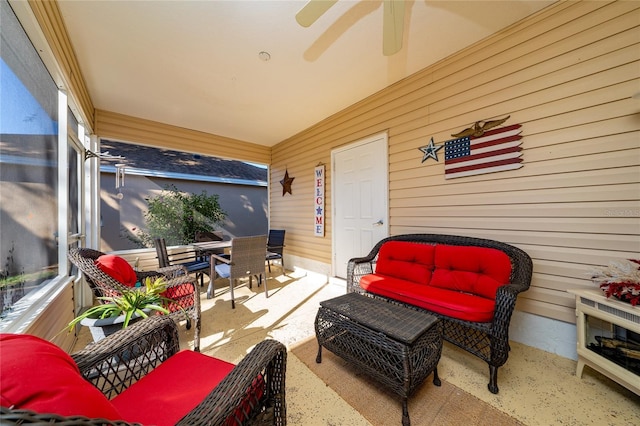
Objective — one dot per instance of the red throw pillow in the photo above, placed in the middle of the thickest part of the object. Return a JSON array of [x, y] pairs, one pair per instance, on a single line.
[[39, 376], [117, 268]]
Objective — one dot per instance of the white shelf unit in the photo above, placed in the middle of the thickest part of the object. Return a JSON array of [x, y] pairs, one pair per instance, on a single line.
[[597, 313]]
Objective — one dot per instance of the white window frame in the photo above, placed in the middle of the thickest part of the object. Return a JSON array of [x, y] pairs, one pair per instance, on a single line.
[[27, 310]]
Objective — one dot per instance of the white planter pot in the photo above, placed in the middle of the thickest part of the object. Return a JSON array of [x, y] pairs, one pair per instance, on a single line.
[[103, 327]]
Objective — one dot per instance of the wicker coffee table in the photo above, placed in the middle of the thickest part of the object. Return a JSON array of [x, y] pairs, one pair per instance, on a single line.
[[395, 345]]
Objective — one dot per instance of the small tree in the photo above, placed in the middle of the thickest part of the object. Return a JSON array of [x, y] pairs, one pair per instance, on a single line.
[[176, 216]]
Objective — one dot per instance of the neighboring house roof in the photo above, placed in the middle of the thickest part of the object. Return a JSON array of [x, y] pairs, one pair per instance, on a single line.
[[180, 163]]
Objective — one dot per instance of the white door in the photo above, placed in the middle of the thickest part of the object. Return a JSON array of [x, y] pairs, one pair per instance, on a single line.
[[359, 179]]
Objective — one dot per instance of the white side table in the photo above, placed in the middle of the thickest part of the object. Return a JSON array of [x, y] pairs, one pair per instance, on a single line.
[[607, 318]]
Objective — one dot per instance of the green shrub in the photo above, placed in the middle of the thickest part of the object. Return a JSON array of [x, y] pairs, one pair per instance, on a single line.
[[177, 216]]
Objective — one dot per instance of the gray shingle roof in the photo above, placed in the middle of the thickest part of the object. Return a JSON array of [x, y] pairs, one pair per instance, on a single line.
[[144, 157]]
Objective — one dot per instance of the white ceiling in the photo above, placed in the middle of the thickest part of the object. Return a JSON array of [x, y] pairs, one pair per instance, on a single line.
[[195, 64]]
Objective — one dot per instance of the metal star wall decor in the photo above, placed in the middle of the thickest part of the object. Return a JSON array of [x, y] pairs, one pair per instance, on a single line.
[[430, 151], [286, 183]]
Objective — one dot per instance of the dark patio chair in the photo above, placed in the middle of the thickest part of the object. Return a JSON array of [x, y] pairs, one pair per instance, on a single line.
[[275, 247], [180, 288], [189, 260], [247, 260]]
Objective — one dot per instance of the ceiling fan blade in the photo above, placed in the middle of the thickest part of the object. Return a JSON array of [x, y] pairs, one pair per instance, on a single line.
[[312, 11], [392, 26]]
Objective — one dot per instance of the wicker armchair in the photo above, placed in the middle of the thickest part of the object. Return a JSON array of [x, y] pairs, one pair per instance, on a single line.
[[487, 340], [103, 285], [247, 260], [111, 368]]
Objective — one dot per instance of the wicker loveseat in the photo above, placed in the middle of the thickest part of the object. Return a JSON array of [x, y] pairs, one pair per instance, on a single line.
[[138, 375], [470, 283]]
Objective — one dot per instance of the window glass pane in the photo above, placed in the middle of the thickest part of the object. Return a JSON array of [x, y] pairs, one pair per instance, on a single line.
[[73, 124], [73, 189], [28, 166]]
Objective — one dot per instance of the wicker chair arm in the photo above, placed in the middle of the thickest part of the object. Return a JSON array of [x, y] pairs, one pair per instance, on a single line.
[[505, 305], [220, 259], [522, 281], [361, 260], [171, 271], [119, 360], [361, 266], [10, 416], [269, 359], [356, 269], [182, 279], [141, 275], [506, 297]]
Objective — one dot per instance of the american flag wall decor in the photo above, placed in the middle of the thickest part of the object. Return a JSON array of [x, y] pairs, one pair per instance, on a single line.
[[496, 150]]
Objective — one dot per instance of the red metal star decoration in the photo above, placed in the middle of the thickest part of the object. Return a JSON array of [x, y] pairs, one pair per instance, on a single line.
[[286, 183]]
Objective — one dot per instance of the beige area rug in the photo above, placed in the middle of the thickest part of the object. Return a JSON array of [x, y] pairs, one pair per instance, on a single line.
[[429, 405]]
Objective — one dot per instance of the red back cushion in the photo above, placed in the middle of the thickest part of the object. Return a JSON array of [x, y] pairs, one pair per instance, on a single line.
[[37, 375], [181, 297], [117, 268], [405, 260], [474, 270]]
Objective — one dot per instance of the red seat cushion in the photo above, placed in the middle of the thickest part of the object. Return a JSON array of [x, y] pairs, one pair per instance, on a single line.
[[37, 375], [406, 260], [474, 270], [450, 303], [177, 386], [117, 268]]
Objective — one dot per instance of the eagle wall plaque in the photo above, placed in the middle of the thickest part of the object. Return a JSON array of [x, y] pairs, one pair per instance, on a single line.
[[482, 148]]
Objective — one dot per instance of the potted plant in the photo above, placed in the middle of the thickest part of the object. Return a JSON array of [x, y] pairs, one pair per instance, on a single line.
[[119, 311], [620, 279]]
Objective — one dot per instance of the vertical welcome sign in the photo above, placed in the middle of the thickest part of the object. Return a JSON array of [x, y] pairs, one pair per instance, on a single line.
[[318, 201]]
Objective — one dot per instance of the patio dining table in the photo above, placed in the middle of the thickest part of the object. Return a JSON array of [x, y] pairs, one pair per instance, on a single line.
[[206, 246]]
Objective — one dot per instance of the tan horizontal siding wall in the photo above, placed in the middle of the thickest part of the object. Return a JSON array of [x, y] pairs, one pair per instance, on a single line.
[[53, 320], [111, 125], [567, 75]]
